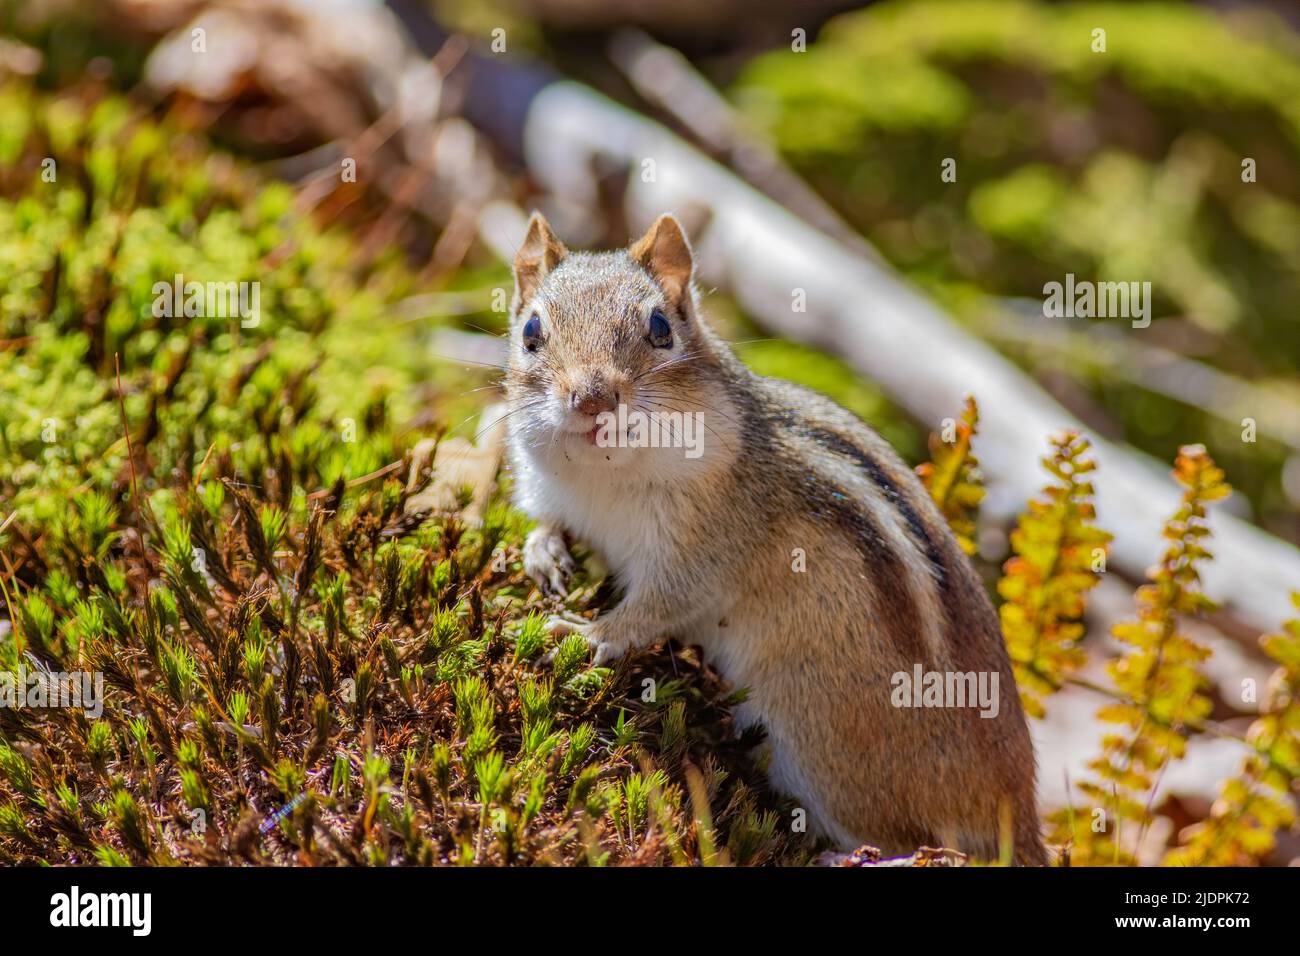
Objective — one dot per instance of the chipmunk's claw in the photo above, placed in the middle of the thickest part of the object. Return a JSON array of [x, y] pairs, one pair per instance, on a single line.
[[571, 624], [558, 625], [606, 653], [603, 652], [548, 562]]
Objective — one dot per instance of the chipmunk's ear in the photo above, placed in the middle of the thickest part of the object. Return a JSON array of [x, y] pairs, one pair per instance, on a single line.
[[664, 253], [540, 253]]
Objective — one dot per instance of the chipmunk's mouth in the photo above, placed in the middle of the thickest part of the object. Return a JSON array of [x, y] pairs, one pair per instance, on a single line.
[[586, 432], [595, 432]]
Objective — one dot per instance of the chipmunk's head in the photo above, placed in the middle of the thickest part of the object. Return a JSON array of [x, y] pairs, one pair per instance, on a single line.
[[609, 363]]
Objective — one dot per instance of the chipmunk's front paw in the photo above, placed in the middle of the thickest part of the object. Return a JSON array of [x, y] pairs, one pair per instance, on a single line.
[[604, 649], [547, 560]]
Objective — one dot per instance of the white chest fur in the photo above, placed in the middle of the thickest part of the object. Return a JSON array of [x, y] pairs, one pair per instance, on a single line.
[[629, 522]]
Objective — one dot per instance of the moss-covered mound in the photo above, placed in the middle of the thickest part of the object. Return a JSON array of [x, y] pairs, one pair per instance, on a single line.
[[294, 667]]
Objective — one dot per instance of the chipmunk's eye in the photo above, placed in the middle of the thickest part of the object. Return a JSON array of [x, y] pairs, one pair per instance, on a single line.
[[532, 333], [661, 333]]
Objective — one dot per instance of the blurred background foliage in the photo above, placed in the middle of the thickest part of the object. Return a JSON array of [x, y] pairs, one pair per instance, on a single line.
[[1123, 165]]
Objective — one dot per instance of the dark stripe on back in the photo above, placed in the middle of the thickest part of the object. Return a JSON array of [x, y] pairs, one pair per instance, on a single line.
[[973, 629], [897, 606], [840, 445]]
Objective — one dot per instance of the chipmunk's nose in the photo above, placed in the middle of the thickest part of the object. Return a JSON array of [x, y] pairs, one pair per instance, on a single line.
[[592, 394]]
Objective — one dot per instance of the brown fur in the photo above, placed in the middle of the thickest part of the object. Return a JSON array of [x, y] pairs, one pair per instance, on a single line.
[[705, 553]]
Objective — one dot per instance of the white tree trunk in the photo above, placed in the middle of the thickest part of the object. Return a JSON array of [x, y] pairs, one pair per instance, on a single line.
[[767, 257]]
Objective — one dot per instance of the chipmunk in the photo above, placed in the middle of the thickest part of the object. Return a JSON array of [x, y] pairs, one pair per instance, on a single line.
[[798, 550]]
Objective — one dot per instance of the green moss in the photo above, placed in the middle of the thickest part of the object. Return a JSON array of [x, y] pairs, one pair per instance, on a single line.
[[294, 670]]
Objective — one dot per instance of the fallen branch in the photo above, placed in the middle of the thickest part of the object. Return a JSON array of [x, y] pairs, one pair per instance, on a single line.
[[797, 280], [1117, 357], [666, 79], [773, 263]]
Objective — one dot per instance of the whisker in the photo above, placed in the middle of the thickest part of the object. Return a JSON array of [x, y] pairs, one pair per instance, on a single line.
[[698, 404], [669, 363], [725, 444], [482, 388], [495, 335], [465, 361], [672, 432], [526, 406]]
